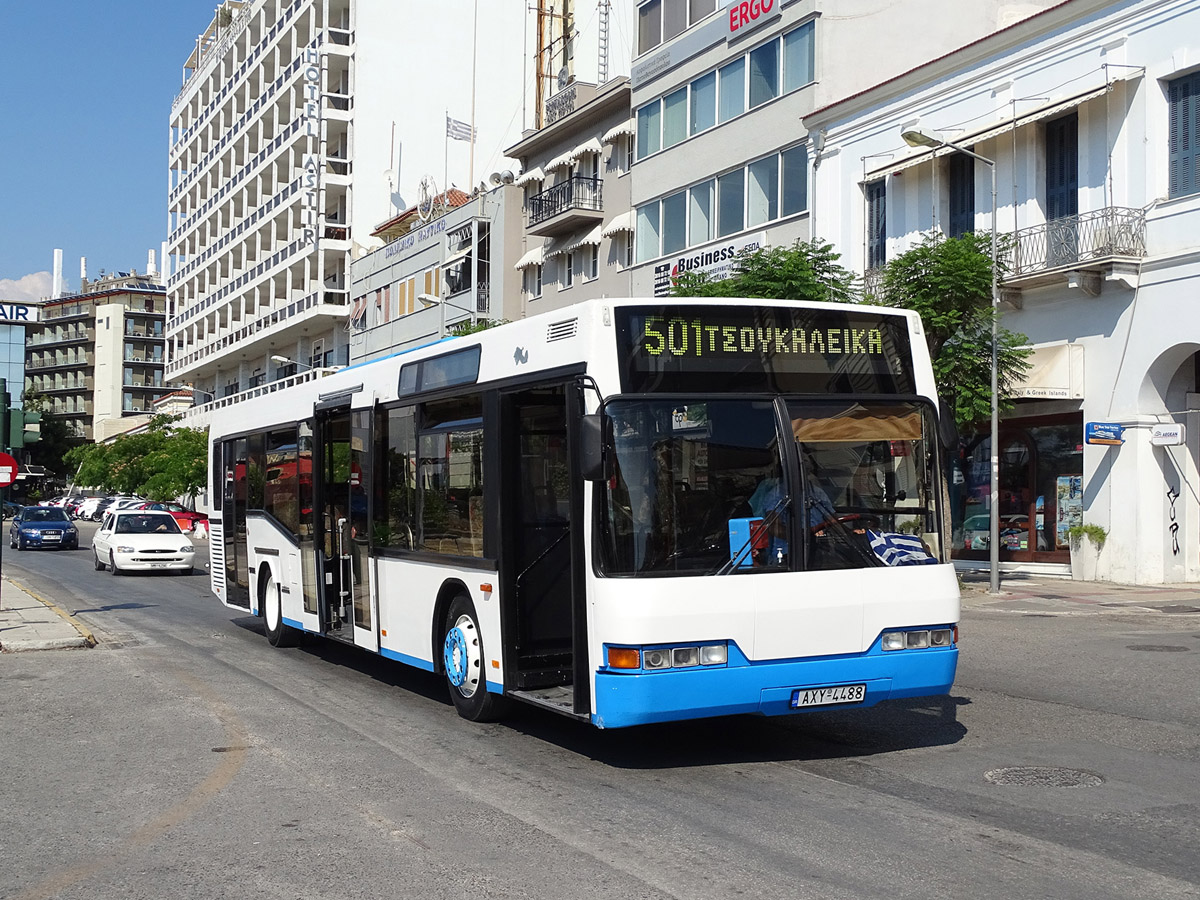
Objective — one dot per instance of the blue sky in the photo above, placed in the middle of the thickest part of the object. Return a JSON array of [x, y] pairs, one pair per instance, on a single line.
[[84, 109]]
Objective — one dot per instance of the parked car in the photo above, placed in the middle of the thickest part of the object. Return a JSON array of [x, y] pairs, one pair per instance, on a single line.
[[42, 526], [187, 518], [88, 508], [11, 509], [135, 540], [110, 504]]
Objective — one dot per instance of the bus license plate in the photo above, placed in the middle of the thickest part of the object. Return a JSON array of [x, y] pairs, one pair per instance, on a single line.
[[828, 696]]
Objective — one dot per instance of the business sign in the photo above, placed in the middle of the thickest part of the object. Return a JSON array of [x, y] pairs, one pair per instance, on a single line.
[[717, 260], [1103, 433], [18, 314], [745, 15], [1171, 435]]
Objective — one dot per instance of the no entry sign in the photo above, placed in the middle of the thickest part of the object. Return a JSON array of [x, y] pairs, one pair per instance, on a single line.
[[8, 470]]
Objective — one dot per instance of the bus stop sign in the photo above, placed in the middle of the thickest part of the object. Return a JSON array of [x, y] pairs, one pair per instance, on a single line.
[[8, 470]]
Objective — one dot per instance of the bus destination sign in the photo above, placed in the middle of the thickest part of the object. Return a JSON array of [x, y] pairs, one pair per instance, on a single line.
[[764, 348]]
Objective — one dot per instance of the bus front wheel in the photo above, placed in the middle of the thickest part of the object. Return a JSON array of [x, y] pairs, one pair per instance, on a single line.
[[463, 665], [278, 633]]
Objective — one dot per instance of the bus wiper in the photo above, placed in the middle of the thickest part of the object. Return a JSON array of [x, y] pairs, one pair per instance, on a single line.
[[767, 521]]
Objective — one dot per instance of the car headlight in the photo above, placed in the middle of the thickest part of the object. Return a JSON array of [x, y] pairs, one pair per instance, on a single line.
[[188, 549], [125, 550]]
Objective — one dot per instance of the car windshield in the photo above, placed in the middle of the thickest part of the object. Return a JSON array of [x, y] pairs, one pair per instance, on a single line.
[[149, 523], [45, 514]]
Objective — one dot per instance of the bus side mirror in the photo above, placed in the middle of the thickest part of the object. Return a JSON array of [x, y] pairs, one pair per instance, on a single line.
[[947, 428], [595, 437]]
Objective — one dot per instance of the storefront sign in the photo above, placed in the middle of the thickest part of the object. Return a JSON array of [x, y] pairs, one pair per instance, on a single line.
[[1167, 435], [17, 313], [561, 104], [717, 260], [747, 14], [1103, 433]]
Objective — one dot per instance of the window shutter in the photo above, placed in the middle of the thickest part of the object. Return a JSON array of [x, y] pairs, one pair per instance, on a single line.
[[1184, 144]]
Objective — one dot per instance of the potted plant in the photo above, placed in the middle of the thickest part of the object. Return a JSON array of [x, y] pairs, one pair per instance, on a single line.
[[1086, 540]]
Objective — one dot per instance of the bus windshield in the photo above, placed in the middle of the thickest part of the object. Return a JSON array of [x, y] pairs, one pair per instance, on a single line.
[[704, 487]]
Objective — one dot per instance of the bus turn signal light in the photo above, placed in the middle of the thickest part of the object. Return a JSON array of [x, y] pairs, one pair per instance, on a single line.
[[624, 658]]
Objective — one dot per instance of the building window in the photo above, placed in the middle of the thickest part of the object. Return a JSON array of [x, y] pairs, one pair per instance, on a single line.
[[700, 224], [733, 90], [876, 224], [731, 202], [704, 102], [962, 195], [1183, 98], [533, 281], [674, 117], [647, 231], [649, 129], [764, 73], [798, 65], [591, 262], [674, 223], [762, 195], [567, 276], [794, 163], [661, 20]]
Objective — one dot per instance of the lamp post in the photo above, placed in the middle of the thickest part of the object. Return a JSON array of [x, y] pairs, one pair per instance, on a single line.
[[287, 361], [432, 299], [918, 137]]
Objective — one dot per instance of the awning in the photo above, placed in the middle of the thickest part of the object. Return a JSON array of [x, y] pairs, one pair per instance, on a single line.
[[589, 146], [535, 174], [456, 256], [625, 129], [560, 162], [619, 224], [534, 257], [994, 130], [1055, 373], [592, 239], [557, 247]]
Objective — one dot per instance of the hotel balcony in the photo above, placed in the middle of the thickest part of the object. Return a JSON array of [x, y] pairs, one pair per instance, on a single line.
[[566, 206], [1081, 250]]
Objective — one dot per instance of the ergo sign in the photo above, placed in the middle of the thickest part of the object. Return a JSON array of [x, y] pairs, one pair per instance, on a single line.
[[747, 12]]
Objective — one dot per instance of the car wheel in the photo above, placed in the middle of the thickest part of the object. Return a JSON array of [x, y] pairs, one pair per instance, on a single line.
[[20, 543], [462, 664], [96, 563], [279, 634], [112, 564]]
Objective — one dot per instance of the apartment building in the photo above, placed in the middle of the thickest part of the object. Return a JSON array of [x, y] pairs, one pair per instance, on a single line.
[[300, 126], [98, 356], [577, 235], [1085, 117], [722, 160]]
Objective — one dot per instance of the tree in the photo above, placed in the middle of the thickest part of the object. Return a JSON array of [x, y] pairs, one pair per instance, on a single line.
[[948, 281], [804, 271], [161, 463], [56, 438]]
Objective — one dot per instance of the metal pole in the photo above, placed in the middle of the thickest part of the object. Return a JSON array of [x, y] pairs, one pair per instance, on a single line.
[[994, 523]]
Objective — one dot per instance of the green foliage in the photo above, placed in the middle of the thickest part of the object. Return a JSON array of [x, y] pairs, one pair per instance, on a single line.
[[1094, 533], [161, 463], [56, 439], [948, 281], [464, 328], [804, 271]]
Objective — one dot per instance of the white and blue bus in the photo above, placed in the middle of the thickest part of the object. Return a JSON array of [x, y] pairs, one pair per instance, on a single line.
[[627, 511]]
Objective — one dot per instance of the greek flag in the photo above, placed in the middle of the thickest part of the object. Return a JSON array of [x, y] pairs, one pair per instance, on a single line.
[[459, 131], [899, 549]]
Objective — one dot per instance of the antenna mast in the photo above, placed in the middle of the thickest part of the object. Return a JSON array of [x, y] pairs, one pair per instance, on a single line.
[[605, 9]]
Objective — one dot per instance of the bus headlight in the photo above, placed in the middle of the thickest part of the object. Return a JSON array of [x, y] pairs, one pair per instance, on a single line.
[[657, 659], [683, 657], [917, 640], [893, 640], [941, 637], [714, 655]]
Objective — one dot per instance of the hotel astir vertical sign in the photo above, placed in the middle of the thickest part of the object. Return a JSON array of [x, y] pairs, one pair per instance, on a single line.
[[311, 179]]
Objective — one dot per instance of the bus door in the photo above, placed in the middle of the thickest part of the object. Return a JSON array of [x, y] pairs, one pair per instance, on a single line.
[[233, 522], [541, 549], [340, 487]]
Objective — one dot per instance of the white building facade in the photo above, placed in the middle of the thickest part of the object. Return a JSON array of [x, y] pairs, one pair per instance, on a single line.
[[1086, 114], [720, 88], [302, 125]]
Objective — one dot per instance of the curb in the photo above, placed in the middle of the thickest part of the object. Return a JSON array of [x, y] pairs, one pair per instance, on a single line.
[[85, 640]]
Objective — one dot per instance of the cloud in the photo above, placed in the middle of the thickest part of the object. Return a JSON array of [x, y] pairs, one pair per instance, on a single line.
[[34, 286]]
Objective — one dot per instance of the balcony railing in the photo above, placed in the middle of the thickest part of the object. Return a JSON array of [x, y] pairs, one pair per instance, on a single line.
[[577, 192], [1088, 237]]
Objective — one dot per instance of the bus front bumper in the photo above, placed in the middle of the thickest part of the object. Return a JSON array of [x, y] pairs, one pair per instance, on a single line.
[[767, 688]]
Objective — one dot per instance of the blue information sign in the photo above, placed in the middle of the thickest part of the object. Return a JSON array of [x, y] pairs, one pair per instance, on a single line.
[[1103, 433]]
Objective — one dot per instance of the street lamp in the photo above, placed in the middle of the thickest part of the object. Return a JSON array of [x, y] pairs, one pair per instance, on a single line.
[[286, 361], [918, 137], [432, 299]]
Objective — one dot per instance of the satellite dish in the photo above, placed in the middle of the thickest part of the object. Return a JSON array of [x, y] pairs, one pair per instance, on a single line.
[[564, 78], [427, 194]]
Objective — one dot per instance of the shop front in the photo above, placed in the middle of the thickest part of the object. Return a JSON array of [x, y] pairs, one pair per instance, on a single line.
[[1040, 490]]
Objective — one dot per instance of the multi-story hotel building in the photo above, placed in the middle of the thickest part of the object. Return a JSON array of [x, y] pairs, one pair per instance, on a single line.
[[97, 356], [301, 125]]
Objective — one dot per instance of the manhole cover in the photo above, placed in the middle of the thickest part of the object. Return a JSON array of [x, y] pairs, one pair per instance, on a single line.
[[1043, 776], [1158, 648]]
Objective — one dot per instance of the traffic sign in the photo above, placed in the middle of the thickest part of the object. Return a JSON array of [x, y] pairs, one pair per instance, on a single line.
[[8, 470]]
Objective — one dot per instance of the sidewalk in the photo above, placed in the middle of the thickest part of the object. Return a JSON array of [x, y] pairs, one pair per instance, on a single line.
[[30, 622], [1050, 594]]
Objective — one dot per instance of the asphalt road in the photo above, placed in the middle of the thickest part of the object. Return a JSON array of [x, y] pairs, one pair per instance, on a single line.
[[185, 757]]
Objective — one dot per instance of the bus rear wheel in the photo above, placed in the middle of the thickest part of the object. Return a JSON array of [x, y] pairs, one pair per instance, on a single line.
[[271, 603], [463, 665]]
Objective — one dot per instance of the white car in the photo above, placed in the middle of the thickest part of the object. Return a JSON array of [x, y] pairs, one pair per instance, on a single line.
[[141, 540], [87, 509]]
